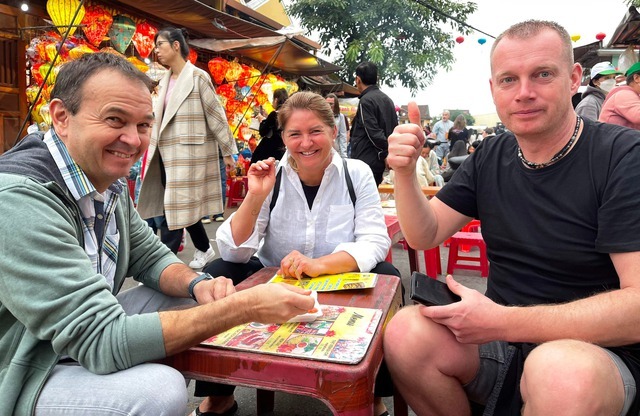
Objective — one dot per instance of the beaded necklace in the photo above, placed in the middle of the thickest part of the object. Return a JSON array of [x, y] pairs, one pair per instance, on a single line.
[[562, 153]]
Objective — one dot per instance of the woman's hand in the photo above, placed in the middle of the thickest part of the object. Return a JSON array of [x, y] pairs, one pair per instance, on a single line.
[[262, 177], [295, 264]]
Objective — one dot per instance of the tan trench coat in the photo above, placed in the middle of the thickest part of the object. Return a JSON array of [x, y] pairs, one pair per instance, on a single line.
[[186, 135]]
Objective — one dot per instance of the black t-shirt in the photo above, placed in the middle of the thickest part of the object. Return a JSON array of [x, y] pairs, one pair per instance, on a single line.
[[549, 232]]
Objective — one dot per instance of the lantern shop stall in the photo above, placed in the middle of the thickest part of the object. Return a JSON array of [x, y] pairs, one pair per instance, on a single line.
[[245, 72]]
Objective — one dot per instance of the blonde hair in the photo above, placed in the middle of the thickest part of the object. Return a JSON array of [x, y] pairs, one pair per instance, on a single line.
[[305, 100], [530, 28]]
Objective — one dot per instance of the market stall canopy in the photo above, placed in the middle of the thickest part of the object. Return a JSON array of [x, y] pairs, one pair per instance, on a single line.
[[628, 31], [278, 52], [587, 55], [199, 17]]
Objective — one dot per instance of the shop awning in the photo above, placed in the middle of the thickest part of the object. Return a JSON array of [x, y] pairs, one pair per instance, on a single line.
[[628, 31], [278, 52], [198, 16]]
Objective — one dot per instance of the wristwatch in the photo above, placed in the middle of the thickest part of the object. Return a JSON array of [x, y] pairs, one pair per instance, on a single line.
[[194, 282]]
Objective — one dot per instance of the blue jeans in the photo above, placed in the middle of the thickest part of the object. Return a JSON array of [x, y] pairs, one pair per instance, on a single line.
[[146, 389]]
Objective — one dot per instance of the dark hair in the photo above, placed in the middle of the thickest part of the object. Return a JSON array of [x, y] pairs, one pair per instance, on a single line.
[[281, 95], [489, 130], [368, 73], [175, 35], [336, 103], [475, 144], [74, 75], [306, 100]]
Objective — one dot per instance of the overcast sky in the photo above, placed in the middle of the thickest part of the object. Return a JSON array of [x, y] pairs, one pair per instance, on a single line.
[[466, 86]]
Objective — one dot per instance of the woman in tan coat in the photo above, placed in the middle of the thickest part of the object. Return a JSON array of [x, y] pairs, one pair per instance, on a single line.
[[182, 179]]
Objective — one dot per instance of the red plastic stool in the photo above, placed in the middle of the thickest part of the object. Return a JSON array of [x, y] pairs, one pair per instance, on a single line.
[[432, 260], [472, 239], [237, 191], [472, 227]]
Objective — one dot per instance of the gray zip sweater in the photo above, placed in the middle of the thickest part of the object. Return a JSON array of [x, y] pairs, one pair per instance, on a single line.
[[52, 302]]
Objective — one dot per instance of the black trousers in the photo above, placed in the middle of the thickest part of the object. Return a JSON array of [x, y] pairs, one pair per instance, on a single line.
[[239, 272]]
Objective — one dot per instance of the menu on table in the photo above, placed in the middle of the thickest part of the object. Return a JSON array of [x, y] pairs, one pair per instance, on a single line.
[[342, 334], [331, 282]]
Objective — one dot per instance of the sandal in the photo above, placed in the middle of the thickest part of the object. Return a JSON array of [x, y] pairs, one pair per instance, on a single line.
[[231, 411]]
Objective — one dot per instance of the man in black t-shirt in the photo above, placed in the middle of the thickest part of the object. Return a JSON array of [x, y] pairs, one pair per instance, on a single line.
[[558, 198]]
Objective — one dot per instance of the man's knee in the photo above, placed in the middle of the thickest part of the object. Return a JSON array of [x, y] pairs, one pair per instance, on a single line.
[[161, 391], [571, 371], [410, 335]]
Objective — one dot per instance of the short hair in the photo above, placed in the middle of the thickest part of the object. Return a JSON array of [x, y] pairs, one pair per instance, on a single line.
[[368, 73], [74, 75], [173, 34], [306, 100], [336, 103], [281, 95], [529, 28], [489, 130]]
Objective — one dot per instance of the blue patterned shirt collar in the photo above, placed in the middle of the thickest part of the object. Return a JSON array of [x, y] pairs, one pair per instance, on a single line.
[[74, 177]]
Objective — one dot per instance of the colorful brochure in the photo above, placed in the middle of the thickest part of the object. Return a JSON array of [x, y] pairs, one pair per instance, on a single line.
[[331, 282], [342, 334]]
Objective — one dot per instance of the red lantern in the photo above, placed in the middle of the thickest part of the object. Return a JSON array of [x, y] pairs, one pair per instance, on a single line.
[[460, 39], [193, 56], [96, 24], [600, 36], [143, 39], [218, 69], [245, 76], [227, 91]]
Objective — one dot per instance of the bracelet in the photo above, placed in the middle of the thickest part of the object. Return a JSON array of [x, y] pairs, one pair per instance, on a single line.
[[194, 282]]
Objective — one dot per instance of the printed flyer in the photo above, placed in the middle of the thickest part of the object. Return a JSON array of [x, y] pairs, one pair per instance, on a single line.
[[342, 334], [331, 282]]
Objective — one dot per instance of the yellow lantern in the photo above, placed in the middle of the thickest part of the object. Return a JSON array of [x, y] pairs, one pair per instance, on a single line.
[[62, 12]]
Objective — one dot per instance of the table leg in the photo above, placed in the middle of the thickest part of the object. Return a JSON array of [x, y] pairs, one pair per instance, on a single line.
[[413, 260], [265, 401]]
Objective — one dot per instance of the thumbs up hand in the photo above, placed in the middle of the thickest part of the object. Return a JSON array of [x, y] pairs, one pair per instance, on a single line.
[[405, 143]]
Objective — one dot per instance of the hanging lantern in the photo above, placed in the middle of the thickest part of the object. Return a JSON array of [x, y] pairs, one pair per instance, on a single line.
[[233, 72], [143, 39], [45, 114], [245, 75], [62, 12], [121, 32], [96, 24], [78, 51], [218, 69], [575, 37], [227, 91], [193, 56], [109, 49], [482, 41], [156, 71], [141, 66], [32, 91], [460, 39], [600, 36]]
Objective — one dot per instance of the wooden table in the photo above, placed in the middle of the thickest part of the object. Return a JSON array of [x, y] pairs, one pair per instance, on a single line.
[[346, 389], [428, 191]]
